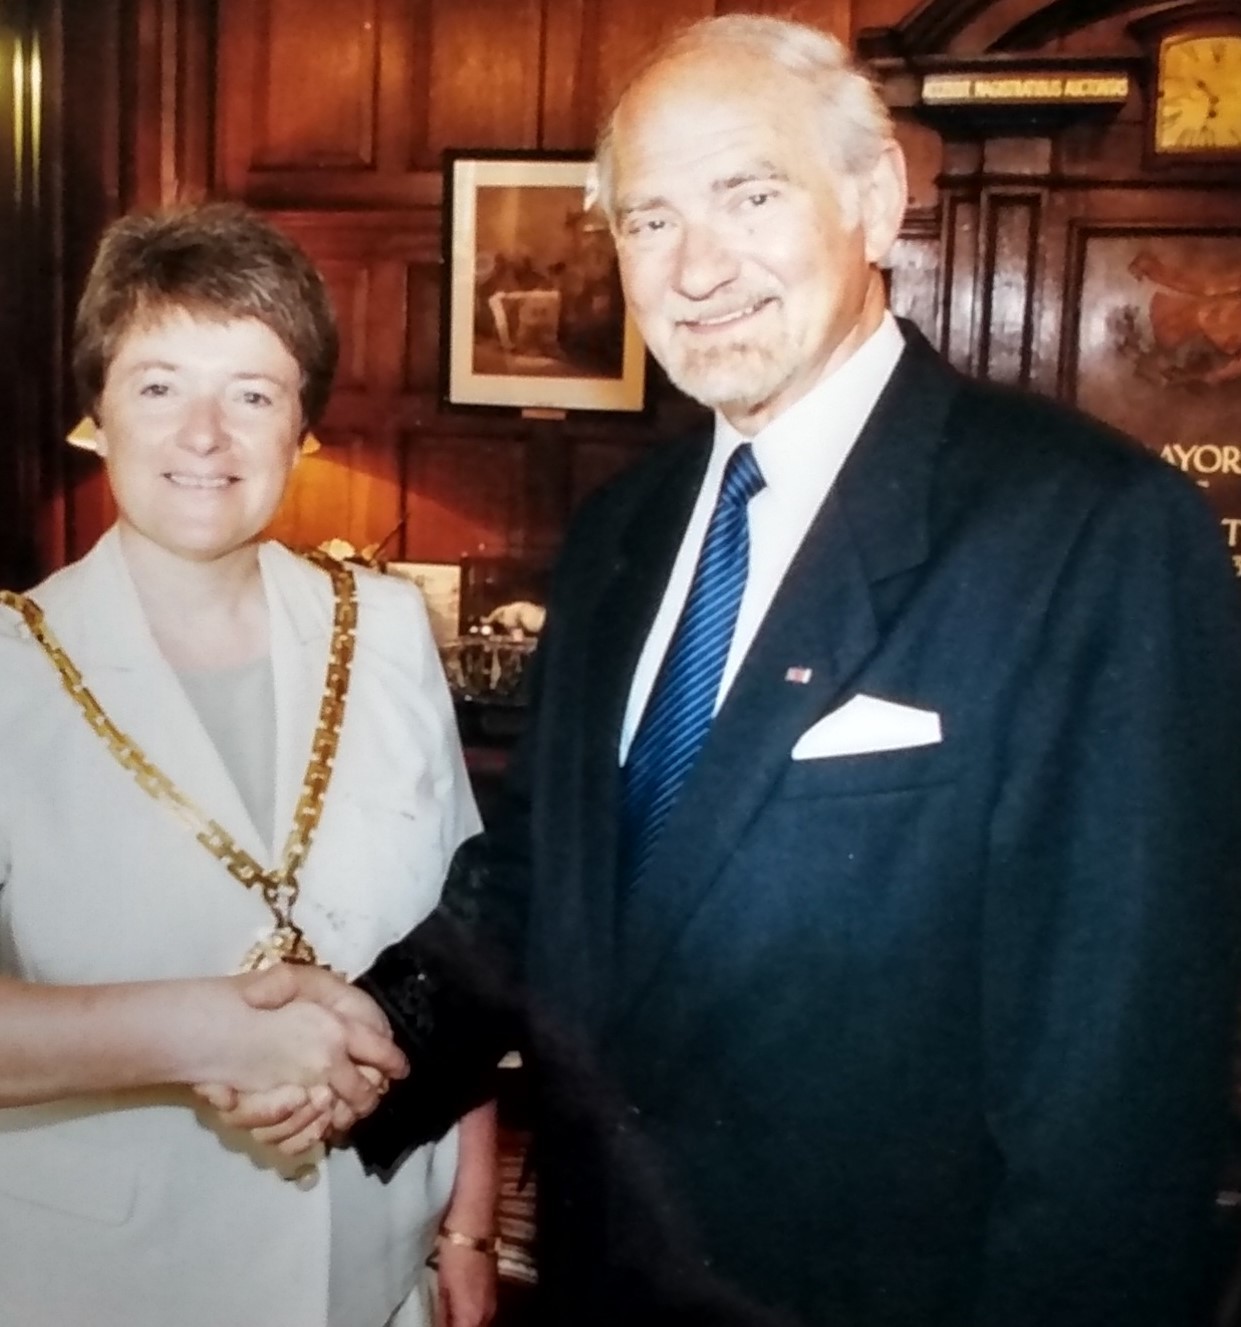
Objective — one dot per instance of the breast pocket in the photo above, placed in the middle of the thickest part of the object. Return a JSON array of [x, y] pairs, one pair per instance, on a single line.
[[871, 772]]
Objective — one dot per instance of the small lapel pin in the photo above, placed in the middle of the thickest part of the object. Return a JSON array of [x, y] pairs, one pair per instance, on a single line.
[[798, 675]]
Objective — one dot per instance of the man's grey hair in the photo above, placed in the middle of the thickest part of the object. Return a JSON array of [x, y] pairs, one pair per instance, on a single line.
[[856, 126]]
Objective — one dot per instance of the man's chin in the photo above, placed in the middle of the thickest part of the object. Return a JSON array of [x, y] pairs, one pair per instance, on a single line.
[[730, 389]]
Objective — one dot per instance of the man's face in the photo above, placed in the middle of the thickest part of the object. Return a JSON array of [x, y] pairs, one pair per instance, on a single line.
[[746, 257]]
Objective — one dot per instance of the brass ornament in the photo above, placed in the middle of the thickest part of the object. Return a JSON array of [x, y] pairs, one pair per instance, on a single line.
[[285, 942]]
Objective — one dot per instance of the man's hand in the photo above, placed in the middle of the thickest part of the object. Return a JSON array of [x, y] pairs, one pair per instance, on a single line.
[[298, 1114]]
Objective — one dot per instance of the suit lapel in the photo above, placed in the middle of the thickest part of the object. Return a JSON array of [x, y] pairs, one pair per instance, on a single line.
[[630, 587], [825, 621]]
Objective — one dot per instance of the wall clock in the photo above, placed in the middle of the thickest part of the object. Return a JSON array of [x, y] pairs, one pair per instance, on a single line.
[[1195, 108]]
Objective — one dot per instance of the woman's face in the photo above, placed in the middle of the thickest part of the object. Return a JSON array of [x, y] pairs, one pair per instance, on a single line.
[[200, 423]]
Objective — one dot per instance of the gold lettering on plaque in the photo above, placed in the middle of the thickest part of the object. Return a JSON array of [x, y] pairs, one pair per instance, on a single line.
[[1018, 88]]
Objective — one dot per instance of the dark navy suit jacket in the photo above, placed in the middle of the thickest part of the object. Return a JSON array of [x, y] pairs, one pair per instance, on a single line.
[[925, 1037]]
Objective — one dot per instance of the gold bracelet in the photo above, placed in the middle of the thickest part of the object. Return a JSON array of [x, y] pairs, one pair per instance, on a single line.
[[489, 1246]]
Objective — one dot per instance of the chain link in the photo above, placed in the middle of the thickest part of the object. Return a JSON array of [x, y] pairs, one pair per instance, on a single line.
[[285, 942]]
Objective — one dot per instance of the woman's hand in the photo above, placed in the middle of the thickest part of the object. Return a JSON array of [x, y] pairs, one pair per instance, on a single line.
[[467, 1276], [250, 1033], [466, 1287], [287, 1028], [320, 1096]]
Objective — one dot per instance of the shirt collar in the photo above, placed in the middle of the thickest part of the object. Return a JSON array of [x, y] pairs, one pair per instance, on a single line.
[[803, 448]]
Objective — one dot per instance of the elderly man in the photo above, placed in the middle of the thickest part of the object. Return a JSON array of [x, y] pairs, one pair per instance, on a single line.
[[866, 871]]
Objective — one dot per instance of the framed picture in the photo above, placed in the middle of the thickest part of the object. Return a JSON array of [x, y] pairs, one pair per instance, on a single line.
[[440, 583], [1156, 346], [533, 312]]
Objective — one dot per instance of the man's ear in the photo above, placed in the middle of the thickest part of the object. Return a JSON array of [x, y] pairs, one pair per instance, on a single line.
[[884, 196]]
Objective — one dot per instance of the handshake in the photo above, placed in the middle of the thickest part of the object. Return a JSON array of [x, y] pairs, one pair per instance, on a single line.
[[294, 1055]]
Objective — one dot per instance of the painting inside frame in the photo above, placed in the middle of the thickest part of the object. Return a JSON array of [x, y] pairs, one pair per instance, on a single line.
[[534, 316], [1157, 349]]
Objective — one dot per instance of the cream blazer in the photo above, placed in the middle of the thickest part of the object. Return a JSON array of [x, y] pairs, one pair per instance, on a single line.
[[138, 1211]]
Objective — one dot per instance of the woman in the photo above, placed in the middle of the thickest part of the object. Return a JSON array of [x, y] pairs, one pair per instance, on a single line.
[[160, 827]]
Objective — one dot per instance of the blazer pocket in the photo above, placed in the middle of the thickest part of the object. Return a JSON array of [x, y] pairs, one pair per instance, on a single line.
[[870, 772], [40, 1166]]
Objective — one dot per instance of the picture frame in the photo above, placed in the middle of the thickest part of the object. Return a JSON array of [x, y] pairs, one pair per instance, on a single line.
[[440, 586], [533, 316]]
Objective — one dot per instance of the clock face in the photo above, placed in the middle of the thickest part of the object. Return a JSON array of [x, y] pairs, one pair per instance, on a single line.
[[1199, 108]]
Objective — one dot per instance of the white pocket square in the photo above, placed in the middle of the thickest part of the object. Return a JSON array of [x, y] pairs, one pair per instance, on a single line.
[[866, 723]]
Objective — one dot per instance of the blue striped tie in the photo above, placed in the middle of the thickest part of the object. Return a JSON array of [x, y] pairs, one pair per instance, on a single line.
[[682, 702]]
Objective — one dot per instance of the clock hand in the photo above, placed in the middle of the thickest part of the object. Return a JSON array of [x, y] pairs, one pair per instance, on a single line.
[[1212, 97]]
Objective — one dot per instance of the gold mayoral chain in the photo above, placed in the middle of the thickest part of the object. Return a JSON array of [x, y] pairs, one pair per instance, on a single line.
[[285, 942]]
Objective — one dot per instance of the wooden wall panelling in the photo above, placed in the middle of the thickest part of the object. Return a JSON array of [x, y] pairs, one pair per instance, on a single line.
[[547, 492], [960, 281], [89, 508], [336, 128], [569, 94], [625, 34], [915, 286], [395, 83], [354, 487], [1011, 229], [1050, 313], [994, 192], [465, 497], [880, 13], [961, 27], [167, 79], [95, 134], [193, 149], [90, 156], [147, 65], [29, 53], [988, 23], [333, 47], [835, 15], [486, 65], [366, 258], [350, 489], [141, 137], [584, 67], [353, 286], [421, 342], [323, 103], [14, 236]]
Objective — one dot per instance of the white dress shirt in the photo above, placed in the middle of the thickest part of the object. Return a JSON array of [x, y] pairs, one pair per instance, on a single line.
[[800, 454]]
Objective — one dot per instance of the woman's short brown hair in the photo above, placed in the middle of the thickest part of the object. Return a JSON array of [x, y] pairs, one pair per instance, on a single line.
[[218, 261]]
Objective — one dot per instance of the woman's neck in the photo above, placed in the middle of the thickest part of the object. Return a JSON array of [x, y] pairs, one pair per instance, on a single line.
[[210, 614]]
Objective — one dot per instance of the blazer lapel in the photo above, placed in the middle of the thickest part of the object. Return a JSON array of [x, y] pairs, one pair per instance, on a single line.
[[139, 690], [824, 623], [300, 610]]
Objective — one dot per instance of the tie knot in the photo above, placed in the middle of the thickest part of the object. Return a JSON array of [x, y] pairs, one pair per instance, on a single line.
[[742, 477]]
